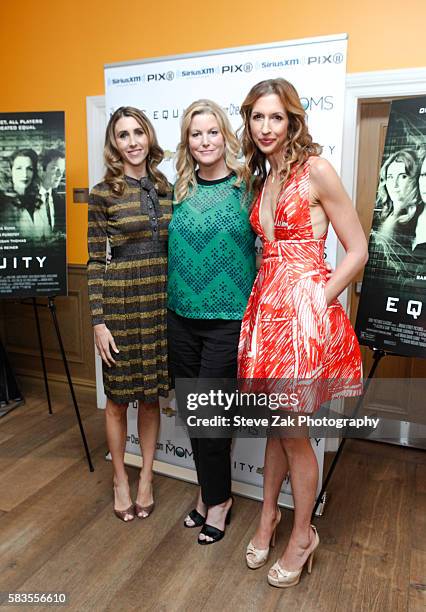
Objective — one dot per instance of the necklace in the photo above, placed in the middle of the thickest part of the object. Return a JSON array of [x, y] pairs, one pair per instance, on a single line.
[[274, 177]]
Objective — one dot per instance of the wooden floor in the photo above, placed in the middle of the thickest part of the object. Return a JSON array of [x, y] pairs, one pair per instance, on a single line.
[[58, 532]]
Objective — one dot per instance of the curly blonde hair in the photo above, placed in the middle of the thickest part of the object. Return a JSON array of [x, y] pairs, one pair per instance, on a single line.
[[114, 175], [298, 145], [186, 183]]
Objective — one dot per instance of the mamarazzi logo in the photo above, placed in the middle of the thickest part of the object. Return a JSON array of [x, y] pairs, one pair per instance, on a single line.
[[323, 103]]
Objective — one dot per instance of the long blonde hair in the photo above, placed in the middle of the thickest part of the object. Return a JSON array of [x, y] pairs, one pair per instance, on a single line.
[[186, 182], [298, 145], [114, 175]]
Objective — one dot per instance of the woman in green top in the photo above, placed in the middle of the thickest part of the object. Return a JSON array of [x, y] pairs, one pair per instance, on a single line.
[[211, 272]]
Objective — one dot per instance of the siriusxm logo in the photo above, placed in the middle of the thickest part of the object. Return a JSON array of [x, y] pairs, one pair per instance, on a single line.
[[126, 81], [247, 67], [161, 76], [280, 63], [201, 72]]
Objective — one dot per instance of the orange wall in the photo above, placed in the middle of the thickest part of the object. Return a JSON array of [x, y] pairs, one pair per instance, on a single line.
[[53, 51]]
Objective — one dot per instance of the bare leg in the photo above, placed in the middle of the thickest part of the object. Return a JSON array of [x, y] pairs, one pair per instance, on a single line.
[[275, 470], [304, 479], [116, 432], [148, 426]]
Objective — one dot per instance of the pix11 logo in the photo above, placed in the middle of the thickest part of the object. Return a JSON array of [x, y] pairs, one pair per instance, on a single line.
[[319, 60], [160, 76], [234, 68]]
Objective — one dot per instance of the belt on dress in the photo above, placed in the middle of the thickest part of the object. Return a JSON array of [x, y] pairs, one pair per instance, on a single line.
[[132, 249]]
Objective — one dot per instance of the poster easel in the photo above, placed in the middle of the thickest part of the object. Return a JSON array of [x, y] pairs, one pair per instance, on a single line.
[[52, 309]]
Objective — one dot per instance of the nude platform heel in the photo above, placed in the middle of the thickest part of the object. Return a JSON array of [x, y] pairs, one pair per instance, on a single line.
[[285, 578], [256, 557]]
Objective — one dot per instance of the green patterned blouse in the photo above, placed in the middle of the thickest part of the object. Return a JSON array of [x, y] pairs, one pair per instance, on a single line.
[[211, 252]]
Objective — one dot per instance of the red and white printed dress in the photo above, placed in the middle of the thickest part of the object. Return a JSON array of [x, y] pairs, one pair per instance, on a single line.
[[288, 332]]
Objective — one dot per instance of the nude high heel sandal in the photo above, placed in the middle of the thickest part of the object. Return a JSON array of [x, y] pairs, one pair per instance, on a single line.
[[256, 557], [285, 578], [124, 515], [143, 512]]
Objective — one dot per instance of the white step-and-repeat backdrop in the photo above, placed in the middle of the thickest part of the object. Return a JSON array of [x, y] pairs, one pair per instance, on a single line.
[[163, 88]]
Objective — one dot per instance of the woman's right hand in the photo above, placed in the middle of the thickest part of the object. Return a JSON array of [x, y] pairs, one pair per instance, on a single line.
[[103, 341]]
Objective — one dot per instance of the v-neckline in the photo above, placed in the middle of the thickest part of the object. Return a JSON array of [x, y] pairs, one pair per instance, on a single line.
[[275, 211]]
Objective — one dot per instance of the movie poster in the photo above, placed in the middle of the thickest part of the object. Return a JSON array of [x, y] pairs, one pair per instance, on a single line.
[[392, 308], [32, 205]]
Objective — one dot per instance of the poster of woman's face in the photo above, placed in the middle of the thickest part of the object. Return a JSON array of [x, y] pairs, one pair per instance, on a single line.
[[400, 220], [398, 197], [23, 172]]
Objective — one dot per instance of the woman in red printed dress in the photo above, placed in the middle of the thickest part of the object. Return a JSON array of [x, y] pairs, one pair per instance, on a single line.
[[294, 327]]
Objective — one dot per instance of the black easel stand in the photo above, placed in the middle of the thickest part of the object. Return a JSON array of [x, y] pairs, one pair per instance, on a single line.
[[43, 362], [377, 356], [52, 307]]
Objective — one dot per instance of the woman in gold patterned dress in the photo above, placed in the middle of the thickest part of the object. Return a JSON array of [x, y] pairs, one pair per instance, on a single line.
[[130, 209]]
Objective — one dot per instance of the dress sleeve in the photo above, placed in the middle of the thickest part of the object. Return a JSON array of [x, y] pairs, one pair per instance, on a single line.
[[97, 244]]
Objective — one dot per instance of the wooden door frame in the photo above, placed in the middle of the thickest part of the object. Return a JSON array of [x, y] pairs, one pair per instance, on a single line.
[[96, 124], [362, 86]]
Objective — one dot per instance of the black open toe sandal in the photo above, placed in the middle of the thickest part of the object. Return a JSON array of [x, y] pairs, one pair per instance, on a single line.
[[213, 532], [197, 518]]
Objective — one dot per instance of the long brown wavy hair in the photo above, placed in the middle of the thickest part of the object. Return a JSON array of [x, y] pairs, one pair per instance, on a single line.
[[298, 145], [411, 163], [186, 182], [114, 175]]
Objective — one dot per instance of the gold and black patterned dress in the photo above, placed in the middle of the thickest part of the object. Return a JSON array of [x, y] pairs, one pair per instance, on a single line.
[[128, 294]]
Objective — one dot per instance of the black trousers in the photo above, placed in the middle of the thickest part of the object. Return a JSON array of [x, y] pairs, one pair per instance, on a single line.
[[206, 348]]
